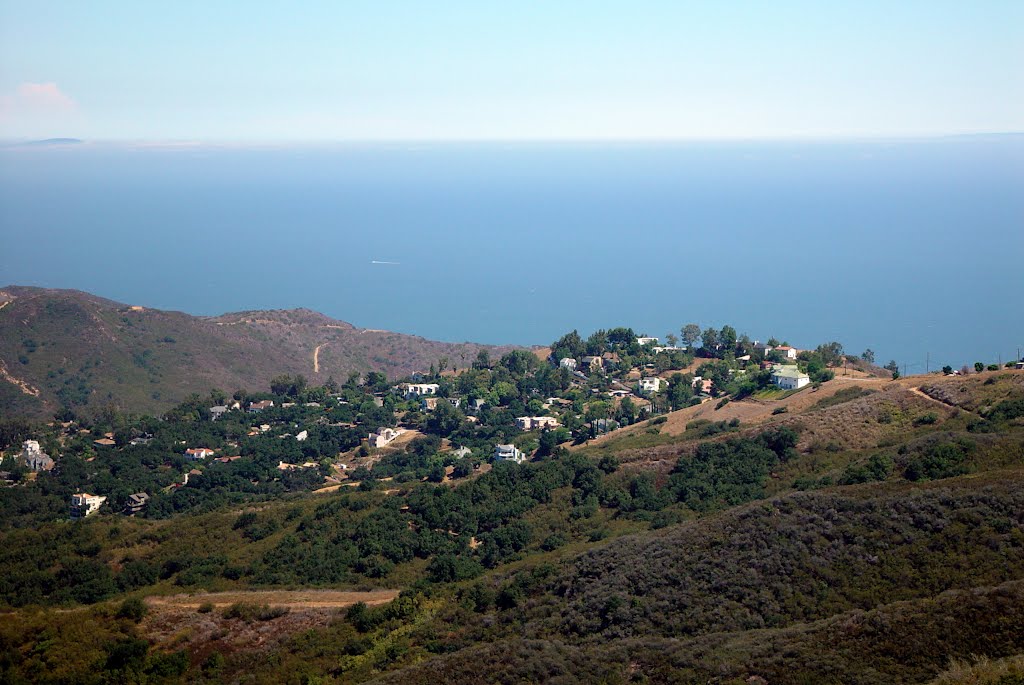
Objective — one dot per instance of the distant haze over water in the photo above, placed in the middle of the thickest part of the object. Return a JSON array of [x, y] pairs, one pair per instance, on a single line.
[[907, 247]]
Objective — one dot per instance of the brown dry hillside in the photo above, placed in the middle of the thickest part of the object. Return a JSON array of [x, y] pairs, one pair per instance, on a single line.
[[69, 348], [844, 414]]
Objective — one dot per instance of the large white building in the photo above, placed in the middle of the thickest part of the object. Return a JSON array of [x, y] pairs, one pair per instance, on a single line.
[[528, 423], [412, 390], [84, 504], [34, 458], [789, 377], [649, 386], [508, 453], [384, 436]]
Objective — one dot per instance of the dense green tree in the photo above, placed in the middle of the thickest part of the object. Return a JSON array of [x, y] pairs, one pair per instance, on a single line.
[[709, 341], [690, 334], [727, 338]]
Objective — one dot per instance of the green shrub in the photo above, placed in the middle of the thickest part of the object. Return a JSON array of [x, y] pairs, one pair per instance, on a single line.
[[133, 609]]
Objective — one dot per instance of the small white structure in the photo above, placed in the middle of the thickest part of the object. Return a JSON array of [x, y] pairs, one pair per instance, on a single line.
[[198, 453], [462, 452], [646, 341], [567, 363], [384, 436], [84, 504], [789, 377], [667, 348], [649, 386], [217, 412], [302, 436], [508, 453], [528, 423], [34, 458]]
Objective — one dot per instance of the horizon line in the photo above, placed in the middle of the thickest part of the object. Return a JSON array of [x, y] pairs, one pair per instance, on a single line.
[[185, 143]]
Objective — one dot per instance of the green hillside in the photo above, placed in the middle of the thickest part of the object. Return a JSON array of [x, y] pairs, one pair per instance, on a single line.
[[872, 533]]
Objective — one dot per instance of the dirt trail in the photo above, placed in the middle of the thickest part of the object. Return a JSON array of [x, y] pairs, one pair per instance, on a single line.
[[22, 385], [296, 600], [920, 393], [316, 358]]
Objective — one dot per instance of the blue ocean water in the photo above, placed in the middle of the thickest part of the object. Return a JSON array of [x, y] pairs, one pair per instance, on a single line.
[[912, 248]]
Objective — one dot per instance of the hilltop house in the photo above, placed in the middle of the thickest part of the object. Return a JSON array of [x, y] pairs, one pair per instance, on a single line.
[[646, 341], [593, 363], [429, 403], [648, 386], [411, 390], [257, 407], [786, 351], [567, 363], [527, 423], [34, 458], [198, 453], [384, 436], [789, 377], [104, 442], [508, 453], [84, 504], [136, 503], [217, 412]]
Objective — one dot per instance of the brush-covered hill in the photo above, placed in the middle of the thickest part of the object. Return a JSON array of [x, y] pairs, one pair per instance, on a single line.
[[893, 553], [68, 348]]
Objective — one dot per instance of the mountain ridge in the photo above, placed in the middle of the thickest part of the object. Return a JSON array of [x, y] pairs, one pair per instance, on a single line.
[[52, 342]]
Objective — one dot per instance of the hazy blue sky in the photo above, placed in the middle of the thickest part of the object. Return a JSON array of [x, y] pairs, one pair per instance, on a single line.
[[278, 71]]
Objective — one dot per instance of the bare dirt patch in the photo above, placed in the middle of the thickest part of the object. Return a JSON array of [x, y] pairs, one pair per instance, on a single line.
[[176, 621], [293, 599]]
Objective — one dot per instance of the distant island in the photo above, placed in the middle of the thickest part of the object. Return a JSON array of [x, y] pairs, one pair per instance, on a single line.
[[47, 142]]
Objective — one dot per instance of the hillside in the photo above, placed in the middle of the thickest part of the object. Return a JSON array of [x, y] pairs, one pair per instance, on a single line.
[[870, 534], [67, 348]]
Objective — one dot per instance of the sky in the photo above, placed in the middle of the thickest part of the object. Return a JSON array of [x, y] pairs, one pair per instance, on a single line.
[[469, 70]]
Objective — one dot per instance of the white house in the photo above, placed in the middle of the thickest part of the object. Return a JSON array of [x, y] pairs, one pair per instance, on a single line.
[[302, 436], [384, 436], [786, 351], [527, 423], [217, 412], [420, 389], [789, 377], [646, 341], [84, 504], [256, 407], [649, 386], [34, 458], [508, 453], [567, 363], [198, 453]]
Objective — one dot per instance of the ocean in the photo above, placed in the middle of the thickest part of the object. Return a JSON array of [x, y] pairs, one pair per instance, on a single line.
[[913, 248]]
